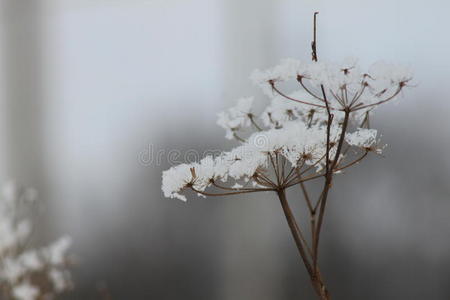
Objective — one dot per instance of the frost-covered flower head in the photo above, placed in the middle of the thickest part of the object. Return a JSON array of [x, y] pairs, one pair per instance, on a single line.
[[28, 273], [341, 86], [301, 135]]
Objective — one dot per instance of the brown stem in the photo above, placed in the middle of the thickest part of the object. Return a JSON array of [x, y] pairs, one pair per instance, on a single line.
[[316, 278], [238, 137], [252, 120], [313, 271], [305, 193], [326, 188], [320, 288], [314, 42], [330, 120], [231, 193], [296, 233]]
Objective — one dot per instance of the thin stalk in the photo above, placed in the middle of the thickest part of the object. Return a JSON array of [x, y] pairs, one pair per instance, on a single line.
[[300, 80], [326, 188], [355, 108], [231, 193], [252, 120], [293, 99], [238, 137], [296, 234]]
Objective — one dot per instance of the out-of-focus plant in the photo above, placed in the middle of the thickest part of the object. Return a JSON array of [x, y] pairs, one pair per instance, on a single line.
[[28, 273], [308, 134]]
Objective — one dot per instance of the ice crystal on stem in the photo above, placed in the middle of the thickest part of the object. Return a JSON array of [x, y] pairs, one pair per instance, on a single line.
[[311, 133], [28, 273]]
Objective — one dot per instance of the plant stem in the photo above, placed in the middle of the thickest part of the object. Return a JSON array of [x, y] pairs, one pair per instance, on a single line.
[[316, 278], [296, 234], [326, 188]]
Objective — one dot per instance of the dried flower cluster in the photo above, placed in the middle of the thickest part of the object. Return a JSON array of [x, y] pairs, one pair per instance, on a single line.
[[293, 128], [28, 273], [310, 133]]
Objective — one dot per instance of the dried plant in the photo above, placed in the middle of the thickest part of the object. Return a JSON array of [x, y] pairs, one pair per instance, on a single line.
[[28, 273], [305, 135]]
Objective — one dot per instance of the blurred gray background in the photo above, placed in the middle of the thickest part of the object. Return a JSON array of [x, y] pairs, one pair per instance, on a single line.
[[97, 94]]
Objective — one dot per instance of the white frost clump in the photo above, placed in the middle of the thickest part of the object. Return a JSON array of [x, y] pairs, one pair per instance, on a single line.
[[286, 70], [362, 137], [59, 279], [390, 73], [56, 252], [24, 271], [236, 117], [25, 291]]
